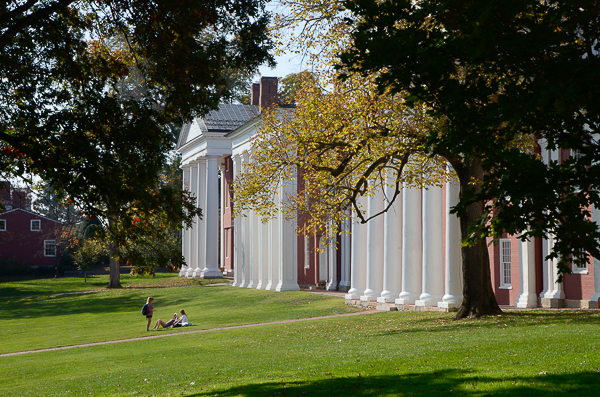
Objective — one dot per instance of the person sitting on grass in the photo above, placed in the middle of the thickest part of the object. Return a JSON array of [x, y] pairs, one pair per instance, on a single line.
[[183, 320], [168, 324]]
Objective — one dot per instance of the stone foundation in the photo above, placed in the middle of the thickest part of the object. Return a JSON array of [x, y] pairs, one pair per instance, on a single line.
[[392, 307]]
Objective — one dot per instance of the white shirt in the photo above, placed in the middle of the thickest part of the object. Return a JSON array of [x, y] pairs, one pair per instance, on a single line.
[[184, 319]]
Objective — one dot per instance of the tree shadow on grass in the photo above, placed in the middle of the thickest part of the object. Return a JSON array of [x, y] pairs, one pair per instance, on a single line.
[[108, 304], [426, 384]]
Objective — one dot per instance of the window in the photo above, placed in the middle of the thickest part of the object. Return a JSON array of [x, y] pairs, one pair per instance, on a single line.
[[36, 225], [581, 268], [2, 225], [49, 247], [505, 264]]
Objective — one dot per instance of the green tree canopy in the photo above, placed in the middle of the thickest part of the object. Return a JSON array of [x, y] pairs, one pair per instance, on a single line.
[[498, 71], [66, 114]]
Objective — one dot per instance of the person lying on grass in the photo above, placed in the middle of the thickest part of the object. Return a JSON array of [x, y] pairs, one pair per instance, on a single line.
[[174, 322], [168, 324]]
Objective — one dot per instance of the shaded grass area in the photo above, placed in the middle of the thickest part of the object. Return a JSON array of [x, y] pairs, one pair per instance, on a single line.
[[538, 353], [16, 288], [32, 323]]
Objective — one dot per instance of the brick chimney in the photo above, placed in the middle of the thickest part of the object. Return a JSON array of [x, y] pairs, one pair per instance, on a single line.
[[255, 94], [268, 92]]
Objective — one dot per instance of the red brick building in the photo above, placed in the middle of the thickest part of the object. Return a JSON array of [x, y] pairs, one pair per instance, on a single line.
[[29, 237]]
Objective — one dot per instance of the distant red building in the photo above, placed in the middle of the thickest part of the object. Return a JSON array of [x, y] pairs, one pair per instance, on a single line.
[[29, 237]]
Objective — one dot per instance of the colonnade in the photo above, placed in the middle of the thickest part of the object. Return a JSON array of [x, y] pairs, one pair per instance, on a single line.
[[265, 253], [411, 267], [200, 244]]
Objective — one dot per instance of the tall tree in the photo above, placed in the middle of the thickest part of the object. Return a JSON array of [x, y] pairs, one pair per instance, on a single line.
[[355, 152], [67, 116], [498, 71]]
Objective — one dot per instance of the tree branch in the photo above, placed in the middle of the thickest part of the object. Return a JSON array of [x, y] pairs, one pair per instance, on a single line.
[[31, 19]]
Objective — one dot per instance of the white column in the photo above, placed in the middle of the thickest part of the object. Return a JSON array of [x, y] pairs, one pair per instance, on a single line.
[[193, 235], [345, 255], [547, 280], [238, 238], [392, 249], [185, 232], [332, 252], [454, 276], [527, 297], [211, 219], [433, 248], [374, 250], [358, 257], [558, 290], [247, 222], [323, 264], [201, 241], [254, 250], [288, 253], [412, 247], [274, 247], [263, 244], [596, 296], [223, 244]]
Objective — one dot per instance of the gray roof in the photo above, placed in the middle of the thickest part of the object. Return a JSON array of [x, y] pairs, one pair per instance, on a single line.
[[228, 117], [225, 119]]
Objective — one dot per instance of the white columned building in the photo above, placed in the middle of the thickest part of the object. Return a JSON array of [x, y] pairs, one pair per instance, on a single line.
[[238, 238], [185, 232], [210, 267], [195, 227]]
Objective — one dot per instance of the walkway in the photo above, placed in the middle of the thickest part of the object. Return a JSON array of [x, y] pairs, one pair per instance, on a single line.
[[188, 332]]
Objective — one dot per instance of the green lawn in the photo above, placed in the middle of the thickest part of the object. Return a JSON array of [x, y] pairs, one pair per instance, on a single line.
[[34, 287], [535, 353]]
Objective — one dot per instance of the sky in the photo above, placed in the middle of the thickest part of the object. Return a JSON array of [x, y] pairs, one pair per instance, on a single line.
[[286, 63]]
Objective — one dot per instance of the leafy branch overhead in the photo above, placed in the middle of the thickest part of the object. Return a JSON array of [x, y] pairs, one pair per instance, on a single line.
[[89, 90], [498, 71]]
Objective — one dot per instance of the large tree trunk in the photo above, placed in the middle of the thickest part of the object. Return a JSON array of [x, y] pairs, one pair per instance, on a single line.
[[478, 294], [115, 272]]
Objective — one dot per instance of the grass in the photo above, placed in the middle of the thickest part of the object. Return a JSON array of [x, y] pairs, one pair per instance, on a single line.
[[39, 287], [522, 353]]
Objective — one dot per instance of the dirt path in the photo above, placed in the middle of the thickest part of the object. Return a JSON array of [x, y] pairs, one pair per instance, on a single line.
[[188, 332]]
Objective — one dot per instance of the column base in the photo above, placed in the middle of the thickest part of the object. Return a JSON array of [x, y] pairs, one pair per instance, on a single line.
[[287, 287], [426, 303], [449, 305], [525, 301], [189, 272], [183, 271], [211, 273], [404, 301], [331, 287], [366, 298], [554, 295], [387, 299], [344, 287]]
